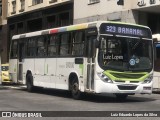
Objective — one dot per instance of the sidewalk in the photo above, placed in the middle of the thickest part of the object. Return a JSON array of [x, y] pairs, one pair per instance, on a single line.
[[12, 86]]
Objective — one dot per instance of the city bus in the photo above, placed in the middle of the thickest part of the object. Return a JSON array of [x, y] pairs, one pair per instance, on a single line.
[[98, 57], [156, 74]]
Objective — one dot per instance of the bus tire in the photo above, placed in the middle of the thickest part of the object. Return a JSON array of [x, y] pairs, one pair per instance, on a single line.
[[29, 83], [76, 93], [121, 97]]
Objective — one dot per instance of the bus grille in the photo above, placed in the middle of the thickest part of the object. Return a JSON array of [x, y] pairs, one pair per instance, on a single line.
[[127, 87], [121, 81]]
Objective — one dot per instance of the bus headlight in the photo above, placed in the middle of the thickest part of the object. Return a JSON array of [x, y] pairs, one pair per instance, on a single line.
[[148, 79], [103, 77]]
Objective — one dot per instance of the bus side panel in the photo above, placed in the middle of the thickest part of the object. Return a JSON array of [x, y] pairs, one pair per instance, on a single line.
[[156, 81], [63, 72], [13, 70], [28, 64], [50, 71], [66, 66], [39, 79], [83, 74]]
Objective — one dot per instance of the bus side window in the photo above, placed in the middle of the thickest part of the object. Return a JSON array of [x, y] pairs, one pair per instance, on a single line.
[[14, 49], [78, 43], [41, 46], [31, 47], [64, 46], [53, 45]]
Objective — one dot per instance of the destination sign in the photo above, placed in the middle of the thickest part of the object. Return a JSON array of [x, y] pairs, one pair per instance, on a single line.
[[125, 30]]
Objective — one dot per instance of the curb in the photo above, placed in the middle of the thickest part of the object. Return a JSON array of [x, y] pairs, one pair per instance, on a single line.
[[12, 87], [3, 88]]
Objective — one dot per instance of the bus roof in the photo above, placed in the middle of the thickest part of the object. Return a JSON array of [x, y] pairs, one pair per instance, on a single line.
[[156, 37], [70, 28]]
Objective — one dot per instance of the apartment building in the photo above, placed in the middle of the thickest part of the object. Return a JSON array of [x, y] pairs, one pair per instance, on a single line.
[[145, 12], [33, 15], [148, 13], [3, 30]]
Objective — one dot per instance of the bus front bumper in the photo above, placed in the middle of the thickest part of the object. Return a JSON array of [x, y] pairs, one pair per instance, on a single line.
[[130, 88]]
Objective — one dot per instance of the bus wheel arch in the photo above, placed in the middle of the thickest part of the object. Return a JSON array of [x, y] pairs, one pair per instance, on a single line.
[[74, 86]]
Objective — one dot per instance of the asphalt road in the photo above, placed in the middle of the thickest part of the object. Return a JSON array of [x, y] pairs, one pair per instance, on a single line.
[[18, 99]]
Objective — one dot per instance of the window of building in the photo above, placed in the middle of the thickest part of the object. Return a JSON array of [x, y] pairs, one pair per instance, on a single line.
[[0, 7], [34, 25], [22, 5], [13, 7], [20, 28], [53, 1], [64, 19], [51, 21], [35, 2], [93, 1]]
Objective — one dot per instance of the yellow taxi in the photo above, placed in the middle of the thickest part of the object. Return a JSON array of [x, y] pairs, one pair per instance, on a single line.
[[5, 73]]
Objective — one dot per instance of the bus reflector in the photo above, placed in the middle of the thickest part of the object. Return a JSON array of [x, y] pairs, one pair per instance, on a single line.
[[54, 31]]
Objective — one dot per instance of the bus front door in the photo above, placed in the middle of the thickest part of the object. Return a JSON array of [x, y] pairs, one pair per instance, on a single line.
[[91, 50], [20, 63]]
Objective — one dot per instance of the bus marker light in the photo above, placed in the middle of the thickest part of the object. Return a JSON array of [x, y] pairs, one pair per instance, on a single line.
[[53, 31]]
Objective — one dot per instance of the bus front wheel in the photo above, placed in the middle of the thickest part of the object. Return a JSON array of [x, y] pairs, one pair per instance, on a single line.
[[76, 93]]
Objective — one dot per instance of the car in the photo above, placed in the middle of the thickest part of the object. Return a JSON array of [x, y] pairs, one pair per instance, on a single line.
[[5, 73]]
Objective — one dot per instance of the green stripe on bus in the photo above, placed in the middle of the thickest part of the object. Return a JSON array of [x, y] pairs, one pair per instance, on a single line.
[[126, 76], [81, 66], [15, 67], [47, 68]]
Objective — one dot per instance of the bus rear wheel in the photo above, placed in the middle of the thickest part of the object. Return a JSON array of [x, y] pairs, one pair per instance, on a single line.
[[76, 93], [29, 83]]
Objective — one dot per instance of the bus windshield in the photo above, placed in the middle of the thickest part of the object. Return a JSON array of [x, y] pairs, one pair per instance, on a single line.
[[125, 54]]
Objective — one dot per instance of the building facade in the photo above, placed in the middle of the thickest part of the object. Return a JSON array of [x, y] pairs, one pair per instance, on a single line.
[[148, 13], [3, 30], [103, 10], [145, 12], [33, 15]]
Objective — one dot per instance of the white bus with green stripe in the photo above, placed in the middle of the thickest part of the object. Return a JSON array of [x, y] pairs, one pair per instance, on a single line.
[[97, 57]]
